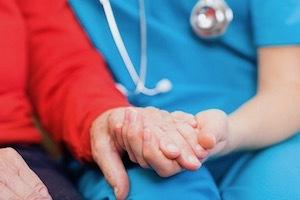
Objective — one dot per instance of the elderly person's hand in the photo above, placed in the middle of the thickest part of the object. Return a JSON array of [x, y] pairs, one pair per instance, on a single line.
[[169, 144], [165, 141], [17, 180]]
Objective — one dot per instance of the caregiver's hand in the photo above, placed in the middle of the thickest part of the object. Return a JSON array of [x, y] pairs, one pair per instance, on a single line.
[[17, 181], [213, 131]]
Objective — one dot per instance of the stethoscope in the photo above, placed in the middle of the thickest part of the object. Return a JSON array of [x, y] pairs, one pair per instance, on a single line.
[[209, 19]]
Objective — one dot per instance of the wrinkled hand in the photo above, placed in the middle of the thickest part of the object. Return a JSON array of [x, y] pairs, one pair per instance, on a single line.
[[213, 131], [17, 181], [165, 141]]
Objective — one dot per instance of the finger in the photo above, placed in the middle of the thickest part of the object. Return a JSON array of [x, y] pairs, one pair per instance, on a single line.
[[9, 175], [135, 137], [36, 195], [207, 141], [20, 187], [116, 122], [125, 128], [212, 124], [191, 137], [166, 144], [109, 161], [155, 158], [180, 116], [32, 180], [6, 193], [187, 158]]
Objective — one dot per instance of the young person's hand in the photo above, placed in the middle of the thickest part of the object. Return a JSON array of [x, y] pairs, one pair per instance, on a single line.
[[17, 180], [213, 131]]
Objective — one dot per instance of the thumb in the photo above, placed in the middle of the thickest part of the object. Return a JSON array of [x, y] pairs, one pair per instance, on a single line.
[[207, 141], [109, 160], [211, 124]]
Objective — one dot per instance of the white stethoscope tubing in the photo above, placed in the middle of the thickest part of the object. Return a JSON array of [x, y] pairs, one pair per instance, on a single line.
[[204, 25], [163, 85], [118, 40]]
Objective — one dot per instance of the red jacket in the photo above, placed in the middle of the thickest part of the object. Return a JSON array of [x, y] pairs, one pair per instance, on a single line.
[[16, 124], [69, 83]]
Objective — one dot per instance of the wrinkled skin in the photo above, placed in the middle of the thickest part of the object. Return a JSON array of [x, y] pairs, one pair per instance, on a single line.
[[17, 180], [166, 142]]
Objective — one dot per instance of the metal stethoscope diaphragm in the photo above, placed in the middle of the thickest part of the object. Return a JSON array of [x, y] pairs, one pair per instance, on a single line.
[[210, 18]]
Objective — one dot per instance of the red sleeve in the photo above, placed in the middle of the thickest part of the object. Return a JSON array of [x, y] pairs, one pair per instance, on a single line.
[[69, 84]]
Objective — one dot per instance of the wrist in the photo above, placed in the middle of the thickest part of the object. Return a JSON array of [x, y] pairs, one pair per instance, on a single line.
[[233, 143]]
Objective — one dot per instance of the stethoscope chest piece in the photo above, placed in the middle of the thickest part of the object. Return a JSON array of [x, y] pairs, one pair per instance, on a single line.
[[210, 18]]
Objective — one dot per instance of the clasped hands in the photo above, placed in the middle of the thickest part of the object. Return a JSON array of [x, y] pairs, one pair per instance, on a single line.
[[153, 138]]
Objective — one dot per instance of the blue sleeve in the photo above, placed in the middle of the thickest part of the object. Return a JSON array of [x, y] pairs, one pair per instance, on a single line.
[[275, 22]]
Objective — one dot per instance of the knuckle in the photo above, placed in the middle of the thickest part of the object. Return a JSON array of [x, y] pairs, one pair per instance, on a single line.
[[117, 129], [115, 121]]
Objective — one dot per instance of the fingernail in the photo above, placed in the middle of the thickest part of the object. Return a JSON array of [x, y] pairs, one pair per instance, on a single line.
[[172, 148], [193, 160]]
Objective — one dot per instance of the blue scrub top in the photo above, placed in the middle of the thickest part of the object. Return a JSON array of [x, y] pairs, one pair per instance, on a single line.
[[217, 73]]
